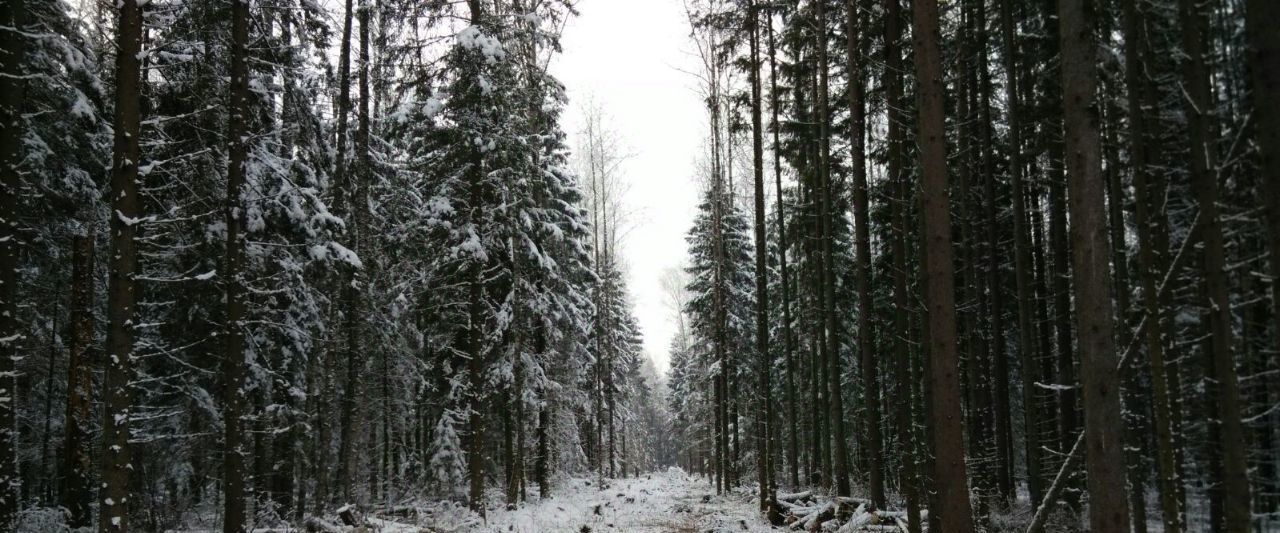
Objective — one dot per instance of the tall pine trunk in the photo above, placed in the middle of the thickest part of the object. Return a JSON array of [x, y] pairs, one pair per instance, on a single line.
[[116, 456], [1264, 64], [1133, 409], [1027, 353], [1139, 101], [898, 183], [475, 362], [835, 400], [357, 192], [77, 484], [862, 241], [950, 477], [542, 466], [1261, 19], [1104, 426], [12, 87], [764, 415], [233, 364], [343, 200], [998, 355], [793, 441], [1223, 391]]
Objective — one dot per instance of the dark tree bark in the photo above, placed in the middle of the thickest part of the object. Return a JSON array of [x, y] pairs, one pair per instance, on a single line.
[[1265, 67], [898, 180], [1139, 100], [233, 364], [946, 419], [862, 238], [1059, 269], [475, 371], [808, 236], [764, 416], [1261, 20], [475, 363], [1027, 352], [115, 495], [1134, 411], [1234, 490], [793, 441], [542, 466], [972, 341], [290, 461], [12, 87], [353, 311], [1104, 426], [1044, 367], [998, 356], [835, 400], [77, 488], [341, 200]]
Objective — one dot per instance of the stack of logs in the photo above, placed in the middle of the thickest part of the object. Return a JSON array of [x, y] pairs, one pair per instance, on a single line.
[[805, 511]]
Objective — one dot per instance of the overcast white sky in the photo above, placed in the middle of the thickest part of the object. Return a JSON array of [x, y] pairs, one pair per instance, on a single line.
[[631, 57]]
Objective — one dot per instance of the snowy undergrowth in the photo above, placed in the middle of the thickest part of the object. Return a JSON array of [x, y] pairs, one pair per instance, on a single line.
[[669, 501]]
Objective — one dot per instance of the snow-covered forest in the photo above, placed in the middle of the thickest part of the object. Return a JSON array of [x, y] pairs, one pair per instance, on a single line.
[[346, 265]]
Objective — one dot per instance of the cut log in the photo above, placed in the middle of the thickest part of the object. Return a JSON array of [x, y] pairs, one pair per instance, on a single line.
[[795, 496], [348, 515], [813, 519], [316, 525]]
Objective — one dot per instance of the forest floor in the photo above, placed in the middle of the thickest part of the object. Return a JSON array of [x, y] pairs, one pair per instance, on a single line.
[[661, 502]]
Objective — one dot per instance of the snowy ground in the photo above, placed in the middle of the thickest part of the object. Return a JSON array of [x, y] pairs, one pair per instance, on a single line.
[[670, 501]]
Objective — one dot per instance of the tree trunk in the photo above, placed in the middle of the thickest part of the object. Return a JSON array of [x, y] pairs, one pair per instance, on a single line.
[[1132, 393], [77, 493], [1104, 426], [233, 369], [939, 282], [1204, 176], [972, 343], [901, 329], [115, 495], [811, 275], [1261, 18], [835, 401], [343, 201], [1022, 257], [793, 444], [1059, 270], [1139, 91], [12, 87], [475, 362], [290, 461], [721, 378], [512, 422], [542, 467], [764, 416], [46, 488], [353, 311], [1264, 61], [476, 377], [998, 356], [862, 237], [1044, 370]]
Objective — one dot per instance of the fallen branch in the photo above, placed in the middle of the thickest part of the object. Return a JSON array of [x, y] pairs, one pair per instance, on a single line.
[[1059, 483]]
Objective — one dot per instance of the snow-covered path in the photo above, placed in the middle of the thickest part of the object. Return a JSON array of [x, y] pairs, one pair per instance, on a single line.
[[669, 501]]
